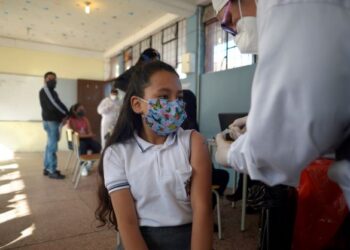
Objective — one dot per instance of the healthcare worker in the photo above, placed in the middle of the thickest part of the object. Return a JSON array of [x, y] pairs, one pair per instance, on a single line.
[[300, 104], [109, 109]]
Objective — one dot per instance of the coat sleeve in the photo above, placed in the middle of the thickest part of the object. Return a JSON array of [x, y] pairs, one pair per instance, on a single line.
[[301, 91], [105, 106]]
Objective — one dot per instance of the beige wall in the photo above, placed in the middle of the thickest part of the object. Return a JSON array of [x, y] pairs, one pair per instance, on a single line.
[[33, 62], [30, 136], [26, 136]]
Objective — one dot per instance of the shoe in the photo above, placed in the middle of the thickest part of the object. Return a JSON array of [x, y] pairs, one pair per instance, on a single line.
[[235, 197], [84, 172], [251, 210], [45, 172], [56, 175]]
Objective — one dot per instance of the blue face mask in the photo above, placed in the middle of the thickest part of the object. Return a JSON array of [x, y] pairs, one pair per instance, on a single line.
[[165, 117]]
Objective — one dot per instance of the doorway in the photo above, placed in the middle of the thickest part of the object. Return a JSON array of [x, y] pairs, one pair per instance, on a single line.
[[90, 94]]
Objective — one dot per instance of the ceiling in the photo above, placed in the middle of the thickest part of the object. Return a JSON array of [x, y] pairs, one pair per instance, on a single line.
[[64, 22]]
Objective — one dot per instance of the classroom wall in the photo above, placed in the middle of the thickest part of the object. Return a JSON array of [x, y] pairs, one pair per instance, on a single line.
[[18, 136], [34, 62], [29, 136], [226, 91], [191, 35]]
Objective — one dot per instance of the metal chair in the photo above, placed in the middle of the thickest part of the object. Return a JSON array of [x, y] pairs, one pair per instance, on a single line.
[[83, 160], [218, 211], [212, 148]]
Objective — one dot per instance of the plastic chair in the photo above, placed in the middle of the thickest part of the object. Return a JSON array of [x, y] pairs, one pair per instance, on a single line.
[[83, 160], [69, 136], [218, 211]]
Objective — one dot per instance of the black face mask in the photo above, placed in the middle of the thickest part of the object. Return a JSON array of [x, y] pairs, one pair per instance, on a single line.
[[80, 113], [51, 84]]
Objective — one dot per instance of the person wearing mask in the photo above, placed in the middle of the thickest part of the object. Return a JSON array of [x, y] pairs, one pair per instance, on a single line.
[[301, 88], [148, 55], [53, 113], [79, 123], [109, 109], [155, 186]]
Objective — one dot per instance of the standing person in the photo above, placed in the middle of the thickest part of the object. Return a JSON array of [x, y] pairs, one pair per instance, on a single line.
[[109, 109], [148, 55], [79, 123], [156, 177], [301, 90], [53, 112]]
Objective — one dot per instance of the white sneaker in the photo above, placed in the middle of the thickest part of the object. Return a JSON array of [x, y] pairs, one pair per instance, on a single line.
[[89, 165], [84, 172]]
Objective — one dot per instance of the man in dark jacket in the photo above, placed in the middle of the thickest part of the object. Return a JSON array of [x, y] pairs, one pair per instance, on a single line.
[[53, 112]]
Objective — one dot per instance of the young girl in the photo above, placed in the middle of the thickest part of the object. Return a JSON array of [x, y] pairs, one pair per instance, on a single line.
[[157, 176], [80, 124]]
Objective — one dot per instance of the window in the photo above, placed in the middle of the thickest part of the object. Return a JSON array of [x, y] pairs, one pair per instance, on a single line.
[[145, 44], [234, 57], [221, 52], [181, 47], [215, 48], [135, 53], [156, 43], [170, 43], [116, 67], [127, 59]]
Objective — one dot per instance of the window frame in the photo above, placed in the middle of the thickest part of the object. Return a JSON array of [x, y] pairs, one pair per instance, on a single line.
[[210, 66]]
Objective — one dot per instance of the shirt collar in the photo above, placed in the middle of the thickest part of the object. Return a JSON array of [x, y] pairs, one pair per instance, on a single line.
[[145, 145]]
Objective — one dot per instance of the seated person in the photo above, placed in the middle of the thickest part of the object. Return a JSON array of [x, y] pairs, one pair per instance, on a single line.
[[79, 123]]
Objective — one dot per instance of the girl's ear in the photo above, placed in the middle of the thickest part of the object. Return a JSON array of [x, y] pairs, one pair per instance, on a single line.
[[136, 104]]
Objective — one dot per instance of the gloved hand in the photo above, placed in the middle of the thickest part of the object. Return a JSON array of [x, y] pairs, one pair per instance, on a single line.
[[222, 149], [238, 127]]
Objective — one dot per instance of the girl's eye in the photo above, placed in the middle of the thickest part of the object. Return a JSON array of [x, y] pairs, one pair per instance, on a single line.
[[165, 97]]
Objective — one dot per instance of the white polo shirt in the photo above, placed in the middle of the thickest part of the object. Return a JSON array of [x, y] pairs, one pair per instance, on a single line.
[[158, 177]]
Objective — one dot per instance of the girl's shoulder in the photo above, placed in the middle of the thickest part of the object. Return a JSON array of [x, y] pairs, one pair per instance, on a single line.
[[184, 133], [185, 138], [121, 146], [117, 152], [189, 134], [190, 137]]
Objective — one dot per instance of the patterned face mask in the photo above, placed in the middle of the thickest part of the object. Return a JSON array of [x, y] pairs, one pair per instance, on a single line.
[[165, 117]]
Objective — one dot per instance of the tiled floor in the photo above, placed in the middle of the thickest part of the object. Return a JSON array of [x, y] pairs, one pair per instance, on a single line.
[[40, 213]]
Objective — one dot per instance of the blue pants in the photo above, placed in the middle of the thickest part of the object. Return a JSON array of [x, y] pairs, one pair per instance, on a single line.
[[166, 238], [50, 158]]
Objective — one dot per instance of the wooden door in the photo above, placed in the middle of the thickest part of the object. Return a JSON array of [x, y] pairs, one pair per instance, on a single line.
[[90, 94]]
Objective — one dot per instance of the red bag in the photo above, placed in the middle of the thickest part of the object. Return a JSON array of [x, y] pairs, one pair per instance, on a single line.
[[321, 208]]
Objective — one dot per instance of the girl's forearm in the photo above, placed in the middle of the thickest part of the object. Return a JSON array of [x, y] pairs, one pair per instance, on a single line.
[[132, 238], [202, 230]]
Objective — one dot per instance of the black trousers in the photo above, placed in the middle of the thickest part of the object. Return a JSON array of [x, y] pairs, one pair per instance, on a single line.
[[220, 178], [89, 144]]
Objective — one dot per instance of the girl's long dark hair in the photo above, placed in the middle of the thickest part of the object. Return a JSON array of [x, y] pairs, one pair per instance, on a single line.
[[127, 123], [73, 110]]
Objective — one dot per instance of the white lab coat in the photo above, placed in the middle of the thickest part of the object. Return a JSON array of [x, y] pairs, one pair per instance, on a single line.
[[109, 110], [300, 106]]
